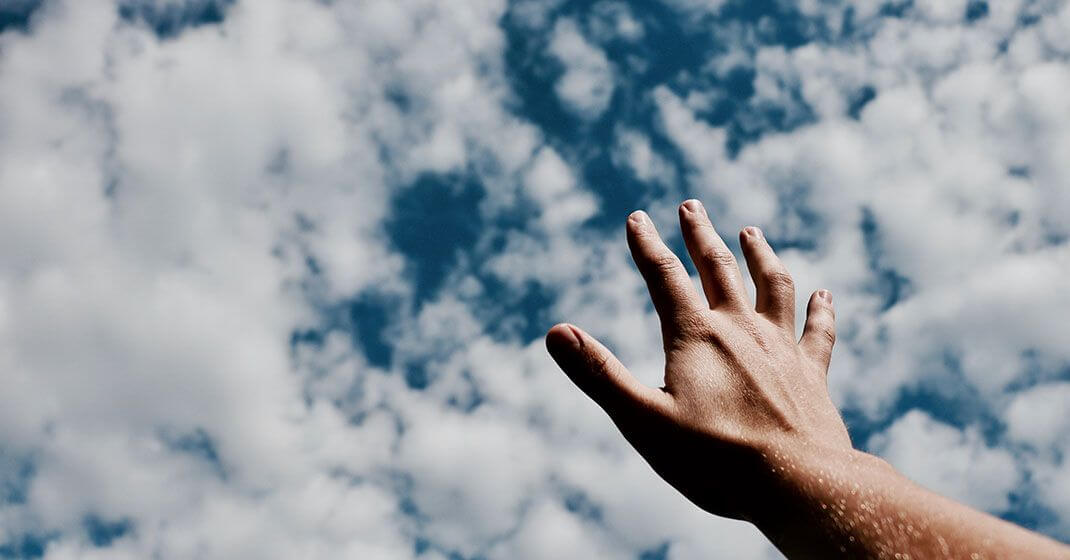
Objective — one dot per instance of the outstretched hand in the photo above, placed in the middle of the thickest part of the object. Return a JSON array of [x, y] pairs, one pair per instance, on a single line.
[[738, 386], [744, 426]]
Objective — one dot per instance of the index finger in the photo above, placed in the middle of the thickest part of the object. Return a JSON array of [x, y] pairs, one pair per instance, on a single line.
[[671, 290]]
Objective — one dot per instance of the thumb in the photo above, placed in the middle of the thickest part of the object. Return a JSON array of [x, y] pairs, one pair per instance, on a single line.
[[595, 370]]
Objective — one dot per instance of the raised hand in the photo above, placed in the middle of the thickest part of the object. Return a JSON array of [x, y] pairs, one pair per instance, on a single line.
[[738, 387], [744, 426]]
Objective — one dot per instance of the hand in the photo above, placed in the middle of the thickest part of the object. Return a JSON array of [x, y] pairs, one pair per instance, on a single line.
[[741, 394], [744, 426]]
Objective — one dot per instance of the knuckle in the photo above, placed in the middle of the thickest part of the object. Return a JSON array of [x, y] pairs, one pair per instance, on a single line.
[[686, 329], [827, 332], [779, 280], [719, 257], [823, 313], [664, 262], [691, 324]]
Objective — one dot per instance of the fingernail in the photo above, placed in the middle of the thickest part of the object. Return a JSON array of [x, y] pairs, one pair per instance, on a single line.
[[567, 337], [639, 218], [825, 295], [753, 232], [575, 339], [694, 206]]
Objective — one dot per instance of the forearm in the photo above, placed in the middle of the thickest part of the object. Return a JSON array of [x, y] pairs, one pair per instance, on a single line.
[[856, 505]]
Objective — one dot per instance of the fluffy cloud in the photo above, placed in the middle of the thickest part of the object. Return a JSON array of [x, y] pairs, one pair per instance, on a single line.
[[274, 273], [586, 86], [1036, 420], [953, 462]]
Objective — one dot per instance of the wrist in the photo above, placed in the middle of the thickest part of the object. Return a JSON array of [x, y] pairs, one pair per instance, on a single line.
[[803, 481]]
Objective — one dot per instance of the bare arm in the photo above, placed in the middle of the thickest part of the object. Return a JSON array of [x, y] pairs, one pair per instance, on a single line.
[[859, 506], [744, 426]]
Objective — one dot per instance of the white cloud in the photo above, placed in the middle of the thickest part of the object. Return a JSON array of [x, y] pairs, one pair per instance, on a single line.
[[172, 210], [1037, 416], [942, 11], [953, 462], [586, 87], [633, 150], [472, 474], [550, 183], [611, 20], [551, 531]]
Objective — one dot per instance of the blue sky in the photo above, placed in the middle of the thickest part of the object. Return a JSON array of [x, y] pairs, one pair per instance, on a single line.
[[275, 274]]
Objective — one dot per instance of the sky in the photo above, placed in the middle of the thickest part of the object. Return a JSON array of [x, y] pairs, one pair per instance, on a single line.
[[274, 274]]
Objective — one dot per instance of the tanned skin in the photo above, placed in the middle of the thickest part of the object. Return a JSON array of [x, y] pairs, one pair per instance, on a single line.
[[744, 426]]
